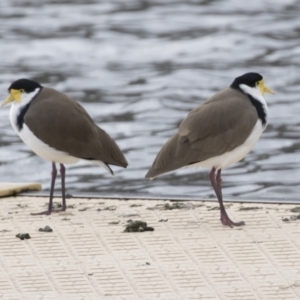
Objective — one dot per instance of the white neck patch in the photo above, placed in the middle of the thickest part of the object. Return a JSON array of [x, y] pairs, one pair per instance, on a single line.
[[27, 97], [17, 107], [256, 94]]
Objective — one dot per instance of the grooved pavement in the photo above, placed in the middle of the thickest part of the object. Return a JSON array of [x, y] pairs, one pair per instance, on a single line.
[[190, 255]]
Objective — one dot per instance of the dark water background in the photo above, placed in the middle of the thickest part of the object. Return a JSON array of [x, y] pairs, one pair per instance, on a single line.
[[139, 67]]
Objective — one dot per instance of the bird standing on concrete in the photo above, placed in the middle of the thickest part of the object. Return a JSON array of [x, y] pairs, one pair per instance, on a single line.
[[60, 130], [218, 133]]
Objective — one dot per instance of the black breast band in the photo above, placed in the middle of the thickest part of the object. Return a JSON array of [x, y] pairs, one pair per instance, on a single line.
[[260, 110], [20, 118]]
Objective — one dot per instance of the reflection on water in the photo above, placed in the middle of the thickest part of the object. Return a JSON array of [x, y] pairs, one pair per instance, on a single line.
[[138, 67]]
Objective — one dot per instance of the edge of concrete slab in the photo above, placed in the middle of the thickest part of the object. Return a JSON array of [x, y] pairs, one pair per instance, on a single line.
[[139, 196], [33, 189]]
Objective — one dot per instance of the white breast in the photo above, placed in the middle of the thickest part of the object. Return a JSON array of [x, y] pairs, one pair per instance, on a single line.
[[227, 159]]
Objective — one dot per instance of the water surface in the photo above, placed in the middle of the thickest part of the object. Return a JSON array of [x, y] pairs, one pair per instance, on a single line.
[[138, 67]]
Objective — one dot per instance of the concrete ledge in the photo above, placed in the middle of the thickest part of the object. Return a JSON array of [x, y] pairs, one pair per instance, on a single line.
[[13, 188], [189, 255]]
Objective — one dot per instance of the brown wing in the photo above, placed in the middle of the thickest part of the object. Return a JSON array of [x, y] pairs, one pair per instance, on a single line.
[[63, 124], [209, 130]]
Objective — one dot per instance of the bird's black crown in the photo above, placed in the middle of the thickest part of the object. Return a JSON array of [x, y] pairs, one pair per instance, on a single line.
[[24, 84], [249, 79]]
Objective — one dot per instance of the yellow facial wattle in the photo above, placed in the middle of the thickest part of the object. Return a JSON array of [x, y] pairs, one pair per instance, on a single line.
[[14, 95], [263, 88]]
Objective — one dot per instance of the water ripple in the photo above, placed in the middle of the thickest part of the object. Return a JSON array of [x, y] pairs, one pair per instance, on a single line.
[[139, 67]]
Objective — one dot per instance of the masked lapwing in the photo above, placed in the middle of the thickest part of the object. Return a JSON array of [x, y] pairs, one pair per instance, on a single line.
[[218, 133], [59, 130]]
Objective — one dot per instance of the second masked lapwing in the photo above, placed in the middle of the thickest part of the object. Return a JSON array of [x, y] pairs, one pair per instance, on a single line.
[[59, 130], [218, 133]]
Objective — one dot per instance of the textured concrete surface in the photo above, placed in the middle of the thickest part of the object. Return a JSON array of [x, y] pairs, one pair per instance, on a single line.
[[189, 255], [12, 188]]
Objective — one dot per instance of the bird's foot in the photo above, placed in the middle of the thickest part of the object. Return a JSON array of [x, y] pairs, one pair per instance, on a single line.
[[48, 212], [227, 222]]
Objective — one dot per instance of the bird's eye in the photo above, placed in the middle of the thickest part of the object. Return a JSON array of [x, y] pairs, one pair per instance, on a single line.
[[257, 83], [22, 90]]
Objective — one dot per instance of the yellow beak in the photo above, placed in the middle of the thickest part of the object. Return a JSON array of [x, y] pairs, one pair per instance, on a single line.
[[264, 89], [15, 95]]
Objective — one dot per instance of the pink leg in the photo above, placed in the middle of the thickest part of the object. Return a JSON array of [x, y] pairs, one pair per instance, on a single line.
[[63, 173], [48, 212], [216, 182], [64, 206]]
